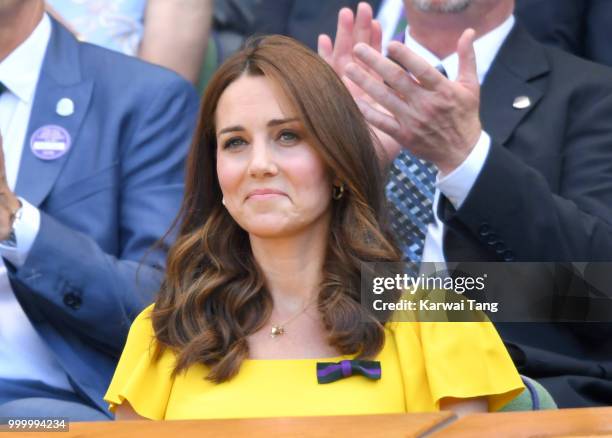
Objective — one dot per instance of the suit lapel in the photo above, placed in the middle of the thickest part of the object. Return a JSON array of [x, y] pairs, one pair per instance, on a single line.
[[519, 62], [59, 78]]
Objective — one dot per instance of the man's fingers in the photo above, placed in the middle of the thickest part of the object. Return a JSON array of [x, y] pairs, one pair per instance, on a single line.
[[427, 76], [468, 73], [377, 90], [362, 30], [392, 74], [325, 48], [378, 119], [344, 33], [376, 36]]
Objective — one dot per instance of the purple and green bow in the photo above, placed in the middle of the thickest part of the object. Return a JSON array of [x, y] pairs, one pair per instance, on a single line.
[[328, 372]]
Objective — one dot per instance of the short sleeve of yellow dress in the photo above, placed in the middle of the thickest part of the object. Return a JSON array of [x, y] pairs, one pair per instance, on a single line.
[[421, 364], [146, 383]]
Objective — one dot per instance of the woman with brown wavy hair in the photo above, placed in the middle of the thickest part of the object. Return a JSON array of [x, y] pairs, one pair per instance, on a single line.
[[260, 312]]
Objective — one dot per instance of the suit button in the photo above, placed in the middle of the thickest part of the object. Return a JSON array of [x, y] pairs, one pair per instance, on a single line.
[[484, 229], [508, 256], [493, 239], [72, 300], [500, 247]]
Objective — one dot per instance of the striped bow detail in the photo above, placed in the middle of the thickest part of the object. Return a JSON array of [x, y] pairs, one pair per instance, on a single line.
[[328, 372]]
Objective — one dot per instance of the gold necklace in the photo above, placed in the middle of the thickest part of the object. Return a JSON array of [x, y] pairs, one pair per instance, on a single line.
[[279, 329]]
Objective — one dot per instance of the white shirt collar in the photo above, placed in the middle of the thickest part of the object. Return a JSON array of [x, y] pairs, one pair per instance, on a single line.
[[20, 70], [486, 48]]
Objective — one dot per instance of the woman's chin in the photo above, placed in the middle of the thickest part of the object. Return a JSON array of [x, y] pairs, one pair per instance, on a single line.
[[271, 232], [270, 227]]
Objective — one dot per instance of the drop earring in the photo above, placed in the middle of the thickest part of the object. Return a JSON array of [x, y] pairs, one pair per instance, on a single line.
[[338, 191]]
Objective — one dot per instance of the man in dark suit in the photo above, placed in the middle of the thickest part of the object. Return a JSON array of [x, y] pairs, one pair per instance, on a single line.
[[94, 145], [524, 164], [579, 27]]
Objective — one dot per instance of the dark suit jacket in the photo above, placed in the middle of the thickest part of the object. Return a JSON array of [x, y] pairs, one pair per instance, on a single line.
[[544, 194], [103, 204], [581, 27]]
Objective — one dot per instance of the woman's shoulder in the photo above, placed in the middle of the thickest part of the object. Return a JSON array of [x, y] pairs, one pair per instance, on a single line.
[[400, 328], [144, 317], [142, 326], [143, 377], [443, 332]]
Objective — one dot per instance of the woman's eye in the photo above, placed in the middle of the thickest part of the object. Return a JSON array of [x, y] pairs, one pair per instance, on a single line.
[[288, 137], [233, 143]]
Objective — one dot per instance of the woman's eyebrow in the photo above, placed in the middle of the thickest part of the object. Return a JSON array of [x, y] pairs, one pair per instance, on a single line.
[[276, 122], [273, 122], [231, 129]]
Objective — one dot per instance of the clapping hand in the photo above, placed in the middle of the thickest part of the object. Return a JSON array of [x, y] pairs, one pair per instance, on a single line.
[[435, 118], [406, 101]]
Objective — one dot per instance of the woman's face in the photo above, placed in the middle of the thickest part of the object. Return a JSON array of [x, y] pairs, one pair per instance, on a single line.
[[273, 181]]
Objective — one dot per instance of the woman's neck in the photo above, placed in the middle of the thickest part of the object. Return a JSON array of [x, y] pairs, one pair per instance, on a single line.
[[292, 266]]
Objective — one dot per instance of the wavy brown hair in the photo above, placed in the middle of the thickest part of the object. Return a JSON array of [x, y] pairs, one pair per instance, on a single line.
[[214, 295]]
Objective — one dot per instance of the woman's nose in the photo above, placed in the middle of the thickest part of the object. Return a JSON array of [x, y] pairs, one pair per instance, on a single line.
[[262, 160]]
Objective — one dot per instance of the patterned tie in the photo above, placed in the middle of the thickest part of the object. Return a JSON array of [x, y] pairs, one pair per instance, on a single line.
[[410, 191]]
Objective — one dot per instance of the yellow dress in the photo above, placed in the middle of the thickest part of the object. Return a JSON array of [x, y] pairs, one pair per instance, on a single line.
[[421, 364]]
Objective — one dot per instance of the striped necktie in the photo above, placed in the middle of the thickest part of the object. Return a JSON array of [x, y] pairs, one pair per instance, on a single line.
[[410, 191]]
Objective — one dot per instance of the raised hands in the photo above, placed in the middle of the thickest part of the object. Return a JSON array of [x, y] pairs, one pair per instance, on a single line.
[[435, 118], [407, 102]]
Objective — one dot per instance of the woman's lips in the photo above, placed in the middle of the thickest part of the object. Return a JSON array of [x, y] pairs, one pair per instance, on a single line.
[[262, 194]]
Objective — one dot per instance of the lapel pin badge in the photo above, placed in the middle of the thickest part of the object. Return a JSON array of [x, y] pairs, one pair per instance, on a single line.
[[50, 142], [521, 102], [65, 107]]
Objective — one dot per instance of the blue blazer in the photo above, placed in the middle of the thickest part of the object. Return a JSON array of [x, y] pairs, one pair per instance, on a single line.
[[103, 204]]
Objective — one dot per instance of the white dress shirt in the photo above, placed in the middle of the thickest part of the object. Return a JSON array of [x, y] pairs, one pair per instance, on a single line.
[[23, 354], [457, 185]]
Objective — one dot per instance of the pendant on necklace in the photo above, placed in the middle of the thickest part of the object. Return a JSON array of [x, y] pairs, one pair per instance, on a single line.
[[276, 330]]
